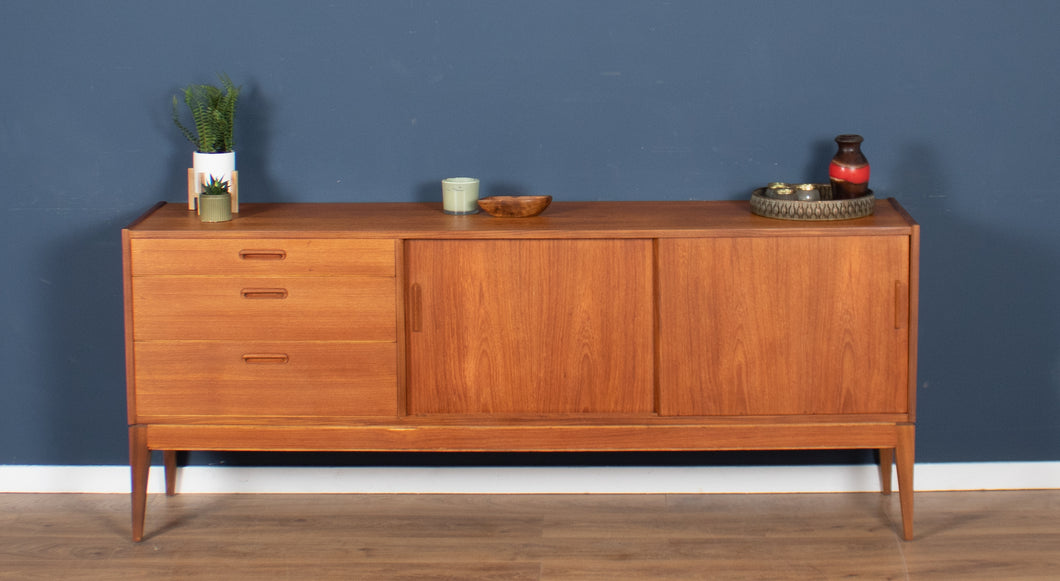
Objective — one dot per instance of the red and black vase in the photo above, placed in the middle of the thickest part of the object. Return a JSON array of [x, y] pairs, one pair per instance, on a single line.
[[849, 170]]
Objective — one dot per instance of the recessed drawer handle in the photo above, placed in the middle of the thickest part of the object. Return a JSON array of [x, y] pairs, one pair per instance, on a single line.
[[262, 254], [901, 305], [265, 358], [264, 293]]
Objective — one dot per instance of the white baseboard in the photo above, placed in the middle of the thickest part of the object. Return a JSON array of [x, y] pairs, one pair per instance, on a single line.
[[589, 480]]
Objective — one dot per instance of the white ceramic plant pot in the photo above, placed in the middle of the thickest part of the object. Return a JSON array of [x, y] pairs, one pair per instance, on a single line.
[[217, 165]]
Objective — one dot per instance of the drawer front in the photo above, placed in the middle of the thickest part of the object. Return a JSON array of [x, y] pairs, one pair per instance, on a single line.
[[327, 379], [263, 257], [263, 309]]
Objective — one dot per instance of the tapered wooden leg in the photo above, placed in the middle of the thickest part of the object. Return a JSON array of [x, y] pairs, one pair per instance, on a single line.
[[169, 461], [905, 452], [886, 461], [140, 463]]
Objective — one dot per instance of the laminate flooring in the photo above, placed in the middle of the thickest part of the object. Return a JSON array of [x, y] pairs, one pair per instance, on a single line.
[[960, 536]]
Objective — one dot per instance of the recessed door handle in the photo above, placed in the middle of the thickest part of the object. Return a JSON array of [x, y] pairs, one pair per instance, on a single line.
[[416, 308], [262, 254], [265, 358], [901, 305], [263, 293]]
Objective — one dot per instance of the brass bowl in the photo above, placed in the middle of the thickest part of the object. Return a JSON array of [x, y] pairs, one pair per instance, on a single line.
[[514, 206]]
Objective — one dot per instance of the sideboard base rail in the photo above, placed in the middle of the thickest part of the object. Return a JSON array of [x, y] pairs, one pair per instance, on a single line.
[[895, 443]]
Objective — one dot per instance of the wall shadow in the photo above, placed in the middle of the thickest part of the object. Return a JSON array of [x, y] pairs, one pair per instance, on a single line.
[[253, 136], [989, 354], [989, 375], [79, 364]]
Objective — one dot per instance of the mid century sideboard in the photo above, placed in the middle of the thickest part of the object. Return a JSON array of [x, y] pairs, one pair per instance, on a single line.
[[596, 326]]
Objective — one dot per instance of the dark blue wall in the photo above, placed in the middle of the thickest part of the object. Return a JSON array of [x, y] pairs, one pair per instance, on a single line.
[[581, 99]]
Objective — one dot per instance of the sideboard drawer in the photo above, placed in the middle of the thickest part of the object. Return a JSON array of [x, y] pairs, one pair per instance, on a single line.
[[338, 308], [263, 256], [293, 379]]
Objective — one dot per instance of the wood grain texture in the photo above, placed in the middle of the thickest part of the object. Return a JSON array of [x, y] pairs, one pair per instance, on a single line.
[[475, 435], [262, 257], [752, 326], [127, 325], [914, 309], [657, 219], [964, 535], [515, 206], [568, 331], [904, 454], [140, 466], [283, 379], [216, 308], [531, 326]]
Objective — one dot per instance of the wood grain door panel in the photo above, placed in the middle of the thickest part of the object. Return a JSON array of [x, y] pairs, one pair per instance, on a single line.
[[530, 326], [783, 325]]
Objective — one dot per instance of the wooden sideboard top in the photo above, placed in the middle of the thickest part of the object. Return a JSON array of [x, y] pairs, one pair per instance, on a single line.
[[411, 220]]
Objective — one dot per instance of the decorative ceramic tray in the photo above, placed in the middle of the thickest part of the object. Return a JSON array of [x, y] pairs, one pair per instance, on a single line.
[[824, 209]]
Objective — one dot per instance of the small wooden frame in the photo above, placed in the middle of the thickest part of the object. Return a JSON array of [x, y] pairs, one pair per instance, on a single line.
[[197, 181]]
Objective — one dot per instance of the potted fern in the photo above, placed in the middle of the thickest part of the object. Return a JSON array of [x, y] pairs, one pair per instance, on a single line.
[[215, 202], [213, 113]]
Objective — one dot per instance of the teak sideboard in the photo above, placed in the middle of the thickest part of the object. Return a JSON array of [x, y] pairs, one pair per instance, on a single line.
[[596, 326]]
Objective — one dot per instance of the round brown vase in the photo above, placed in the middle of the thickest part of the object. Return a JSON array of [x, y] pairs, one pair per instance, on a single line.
[[849, 170]]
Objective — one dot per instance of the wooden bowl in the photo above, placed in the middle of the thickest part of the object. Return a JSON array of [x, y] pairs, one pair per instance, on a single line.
[[515, 206]]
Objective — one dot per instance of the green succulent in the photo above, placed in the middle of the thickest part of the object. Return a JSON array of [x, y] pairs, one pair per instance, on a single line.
[[215, 187], [213, 110]]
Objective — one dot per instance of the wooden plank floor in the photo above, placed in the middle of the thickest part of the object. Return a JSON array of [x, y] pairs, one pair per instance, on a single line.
[[960, 535]]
